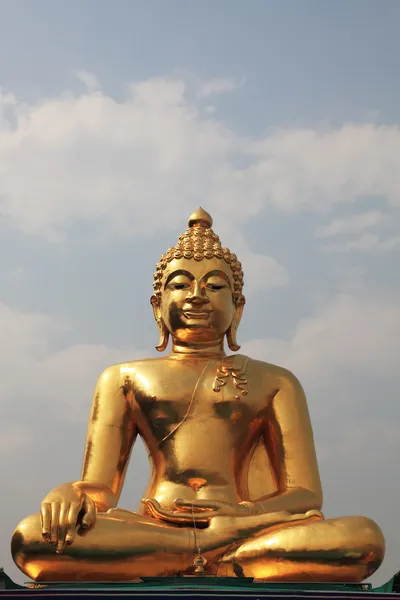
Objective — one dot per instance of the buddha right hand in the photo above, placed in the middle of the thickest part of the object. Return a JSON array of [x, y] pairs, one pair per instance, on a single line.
[[63, 511]]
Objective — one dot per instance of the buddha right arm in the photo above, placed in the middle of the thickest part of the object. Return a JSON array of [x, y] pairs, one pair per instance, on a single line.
[[109, 441], [110, 438]]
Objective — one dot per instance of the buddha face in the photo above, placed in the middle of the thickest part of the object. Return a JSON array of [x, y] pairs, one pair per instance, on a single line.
[[197, 304]]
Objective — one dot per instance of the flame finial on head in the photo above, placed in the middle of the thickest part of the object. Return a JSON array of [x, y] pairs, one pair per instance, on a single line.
[[200, 242], [200, 217]]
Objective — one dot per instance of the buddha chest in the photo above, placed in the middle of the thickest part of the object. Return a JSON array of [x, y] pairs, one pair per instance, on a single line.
[[193, 396]]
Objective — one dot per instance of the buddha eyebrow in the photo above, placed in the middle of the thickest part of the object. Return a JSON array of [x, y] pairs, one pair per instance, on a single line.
[[179, 272], [217, 273]]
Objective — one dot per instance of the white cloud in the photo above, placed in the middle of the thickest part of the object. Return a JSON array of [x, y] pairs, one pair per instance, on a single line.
[[260, 271], [28, 359], [366, 243], [350, 229], [351, 224], [7, 99], [121, 164], [89, 80], [315, 168], [217, 86], [24, 335], [354, 331]]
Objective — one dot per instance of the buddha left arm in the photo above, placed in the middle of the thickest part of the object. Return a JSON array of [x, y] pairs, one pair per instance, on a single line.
[[289, 442]]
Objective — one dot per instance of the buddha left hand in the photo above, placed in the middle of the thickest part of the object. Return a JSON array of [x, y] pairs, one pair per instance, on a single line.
[[223, 518], [202, 511], [207, 511]]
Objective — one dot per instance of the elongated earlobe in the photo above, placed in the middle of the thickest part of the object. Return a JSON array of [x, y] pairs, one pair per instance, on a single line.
[[163, 331], [164, 336], [231, 338], [232, 331]]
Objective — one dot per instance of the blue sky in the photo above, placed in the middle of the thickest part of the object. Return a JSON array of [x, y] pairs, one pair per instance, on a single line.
[[304, 62], [281, 118]]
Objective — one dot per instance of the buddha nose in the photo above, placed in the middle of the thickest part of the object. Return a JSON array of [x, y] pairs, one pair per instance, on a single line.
[[197, 295]]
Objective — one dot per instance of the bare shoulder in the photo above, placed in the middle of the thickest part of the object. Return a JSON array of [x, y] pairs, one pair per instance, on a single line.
[[274, 375], [121, 372]]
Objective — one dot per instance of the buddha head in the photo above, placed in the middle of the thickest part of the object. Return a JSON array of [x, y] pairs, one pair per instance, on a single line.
[[198, 289]]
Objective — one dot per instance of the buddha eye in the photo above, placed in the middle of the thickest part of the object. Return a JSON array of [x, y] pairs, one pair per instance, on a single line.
[[178, 286], [215, 287]]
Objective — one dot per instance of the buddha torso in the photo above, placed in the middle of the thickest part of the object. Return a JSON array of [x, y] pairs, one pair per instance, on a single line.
[[202, 443]]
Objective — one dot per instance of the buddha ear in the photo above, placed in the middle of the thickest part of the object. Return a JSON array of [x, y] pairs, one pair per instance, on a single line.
[[163, 331], [232, 331]]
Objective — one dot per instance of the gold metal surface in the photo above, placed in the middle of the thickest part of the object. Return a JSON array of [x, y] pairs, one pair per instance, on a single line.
[[234, 486]]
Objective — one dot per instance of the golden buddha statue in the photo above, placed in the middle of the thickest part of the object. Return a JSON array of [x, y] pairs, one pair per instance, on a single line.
[[234, 487]]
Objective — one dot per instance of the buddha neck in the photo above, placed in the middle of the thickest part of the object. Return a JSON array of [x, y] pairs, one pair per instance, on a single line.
[[181, 350]]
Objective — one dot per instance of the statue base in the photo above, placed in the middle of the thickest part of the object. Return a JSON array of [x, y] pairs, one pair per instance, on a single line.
[[214, 588]]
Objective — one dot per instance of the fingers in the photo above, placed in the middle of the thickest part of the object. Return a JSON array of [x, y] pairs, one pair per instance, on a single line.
[[72, 523], [68, 524], [62, 527], [153, 508], [90, 512], [198, 505], [55, 519], [59, 522], [310, 515], [158, 512], [315, 513], [45, 515], [281, 515]]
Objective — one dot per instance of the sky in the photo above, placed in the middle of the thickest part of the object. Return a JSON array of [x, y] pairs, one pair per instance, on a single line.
[[281, 119]]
